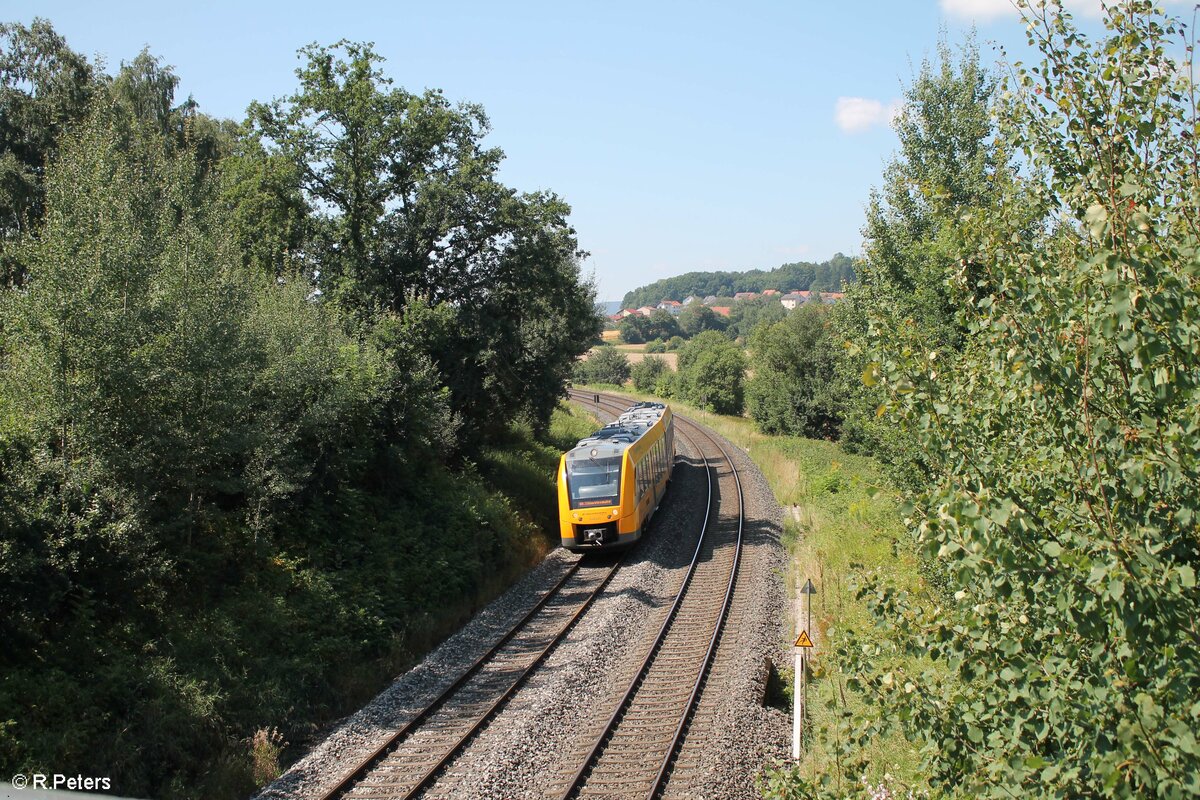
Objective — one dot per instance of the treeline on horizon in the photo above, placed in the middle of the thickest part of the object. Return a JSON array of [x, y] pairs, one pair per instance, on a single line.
[[261, 385], [827, 276]]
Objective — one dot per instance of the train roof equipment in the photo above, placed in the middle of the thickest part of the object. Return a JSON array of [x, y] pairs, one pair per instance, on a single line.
[[616, 437]]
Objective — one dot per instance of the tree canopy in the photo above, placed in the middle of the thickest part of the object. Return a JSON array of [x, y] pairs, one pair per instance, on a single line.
[[253, 378]]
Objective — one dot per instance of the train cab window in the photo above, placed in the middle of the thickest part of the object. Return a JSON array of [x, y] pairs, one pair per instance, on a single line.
[[593, 482]]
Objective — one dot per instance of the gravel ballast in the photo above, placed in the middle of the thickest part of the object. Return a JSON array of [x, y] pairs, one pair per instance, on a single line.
[[534, 744]]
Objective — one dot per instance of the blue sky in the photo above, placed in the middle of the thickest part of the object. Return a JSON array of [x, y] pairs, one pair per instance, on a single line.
[[684, 135]]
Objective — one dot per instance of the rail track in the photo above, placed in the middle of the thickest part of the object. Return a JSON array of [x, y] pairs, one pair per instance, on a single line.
[[632, 754]]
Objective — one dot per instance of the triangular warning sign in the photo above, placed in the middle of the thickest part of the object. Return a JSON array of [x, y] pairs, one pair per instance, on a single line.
[[803, 641]]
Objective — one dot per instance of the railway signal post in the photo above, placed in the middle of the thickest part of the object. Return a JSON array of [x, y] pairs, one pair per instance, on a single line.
[[802, 647]]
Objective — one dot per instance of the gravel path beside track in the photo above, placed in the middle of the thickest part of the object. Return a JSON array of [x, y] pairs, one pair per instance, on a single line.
[[521, 754]]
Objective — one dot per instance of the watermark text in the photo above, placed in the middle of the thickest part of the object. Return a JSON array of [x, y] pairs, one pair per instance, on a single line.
[[71, 783]]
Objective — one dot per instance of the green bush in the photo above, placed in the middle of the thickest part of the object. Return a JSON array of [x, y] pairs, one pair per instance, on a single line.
[[647, 372], [796, 388], [1062, 447], [605, 364], [712, 372], [656, 346]]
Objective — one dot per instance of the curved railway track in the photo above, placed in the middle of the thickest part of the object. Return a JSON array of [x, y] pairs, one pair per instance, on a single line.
[[632, 754]]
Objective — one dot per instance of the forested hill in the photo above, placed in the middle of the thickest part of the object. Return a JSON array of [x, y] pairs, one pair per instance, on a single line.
[[826, 277]]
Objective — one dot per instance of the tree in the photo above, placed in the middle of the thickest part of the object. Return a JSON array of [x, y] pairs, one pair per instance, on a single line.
[[712, 372], [1062, 446], [663, 325], [697, 318], [169, 415], [635, 329], [410, 212], [647, 372], [796, 388], [605, 364], [267, 212], [746, 315], [45, 87], [948, 169]]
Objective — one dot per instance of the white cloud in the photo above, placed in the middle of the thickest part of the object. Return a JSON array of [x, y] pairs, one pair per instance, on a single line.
[[857, 114], [981, 10], [988, 10]]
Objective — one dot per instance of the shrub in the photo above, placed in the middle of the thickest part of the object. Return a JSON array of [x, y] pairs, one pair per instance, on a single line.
[[712, 371], [647, 372], [605, 364]]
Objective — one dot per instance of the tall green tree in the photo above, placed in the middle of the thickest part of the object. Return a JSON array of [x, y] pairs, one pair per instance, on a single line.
[[712, 373], [746, 315], [45, 87], [797, 388], [697, 318], [165, 411], [409, 210], [949, 168], [1063, 447]]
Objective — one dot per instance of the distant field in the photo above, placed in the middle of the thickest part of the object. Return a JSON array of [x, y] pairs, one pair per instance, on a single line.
[[636, 353], [611, 336]]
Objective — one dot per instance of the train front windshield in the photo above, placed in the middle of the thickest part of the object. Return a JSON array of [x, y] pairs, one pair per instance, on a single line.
[[593, 482]]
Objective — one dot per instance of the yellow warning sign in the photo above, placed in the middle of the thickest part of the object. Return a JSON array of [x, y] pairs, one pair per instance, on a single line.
[[803, 641]]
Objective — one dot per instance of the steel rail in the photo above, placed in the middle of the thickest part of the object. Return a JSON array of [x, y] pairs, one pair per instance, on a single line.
[[639, 678], [394, 740], [365, 765], [706, 669], [487, 715]]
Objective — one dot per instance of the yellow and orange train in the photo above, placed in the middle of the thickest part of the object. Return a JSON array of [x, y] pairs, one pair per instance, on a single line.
[[610, 483]]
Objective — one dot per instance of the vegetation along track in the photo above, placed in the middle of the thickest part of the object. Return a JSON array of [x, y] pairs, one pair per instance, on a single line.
[[634, 753]]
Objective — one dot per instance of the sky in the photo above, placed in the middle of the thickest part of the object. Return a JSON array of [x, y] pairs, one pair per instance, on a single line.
[[685, 135]]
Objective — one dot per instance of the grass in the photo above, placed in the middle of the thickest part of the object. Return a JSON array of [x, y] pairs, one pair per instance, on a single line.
[[841, 522]]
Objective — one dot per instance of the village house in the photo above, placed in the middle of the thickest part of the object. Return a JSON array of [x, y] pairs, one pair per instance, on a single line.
[[722, 310], [793, 299], [673, 306], [691, 298], [708, 301], [745, 295], [770, 292]]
